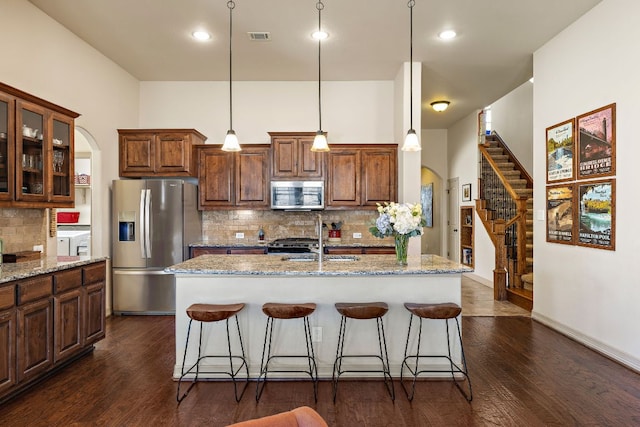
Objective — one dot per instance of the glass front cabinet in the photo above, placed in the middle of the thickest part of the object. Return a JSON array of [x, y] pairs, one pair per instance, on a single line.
[[36, 143]]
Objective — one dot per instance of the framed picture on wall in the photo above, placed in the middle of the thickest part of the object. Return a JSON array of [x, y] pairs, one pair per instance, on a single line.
[[426, 199], [597, 142], [560, 152], [466, 193], [597, 214], [560, 214]]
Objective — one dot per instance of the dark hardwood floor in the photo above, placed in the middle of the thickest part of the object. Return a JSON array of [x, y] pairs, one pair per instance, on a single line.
[[523, 374]]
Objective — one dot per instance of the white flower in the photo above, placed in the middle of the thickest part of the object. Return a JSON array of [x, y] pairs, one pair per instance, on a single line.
[[398, 218]]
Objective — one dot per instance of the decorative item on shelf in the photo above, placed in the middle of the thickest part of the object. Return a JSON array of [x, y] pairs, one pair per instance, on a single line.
[[68, 217], [335, 234], [82, 179], [400, 220]]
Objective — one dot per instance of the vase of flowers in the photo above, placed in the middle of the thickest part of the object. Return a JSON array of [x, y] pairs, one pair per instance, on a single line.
[[400, 220]]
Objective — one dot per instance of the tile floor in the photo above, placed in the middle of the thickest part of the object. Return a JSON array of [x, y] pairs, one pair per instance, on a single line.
[[477, 300]]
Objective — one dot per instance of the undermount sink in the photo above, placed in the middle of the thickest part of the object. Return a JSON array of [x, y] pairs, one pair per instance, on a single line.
[[314, 258]]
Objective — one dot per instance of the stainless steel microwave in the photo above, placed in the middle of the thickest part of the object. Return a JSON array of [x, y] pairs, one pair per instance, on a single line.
[[297, 195]]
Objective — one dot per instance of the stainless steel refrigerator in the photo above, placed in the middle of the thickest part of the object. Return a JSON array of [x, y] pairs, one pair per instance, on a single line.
[[153, 223]]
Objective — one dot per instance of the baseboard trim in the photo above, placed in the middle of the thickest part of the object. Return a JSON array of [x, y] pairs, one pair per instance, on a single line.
[[479, 279], [621, 357]]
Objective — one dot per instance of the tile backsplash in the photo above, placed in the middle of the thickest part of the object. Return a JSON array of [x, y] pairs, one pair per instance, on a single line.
[[220, 227], [21, 229]]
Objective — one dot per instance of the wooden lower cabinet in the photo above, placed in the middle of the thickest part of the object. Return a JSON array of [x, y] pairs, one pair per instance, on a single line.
[[226, 250], [359, 250], [48, 320], [67, 338], [35, 336], [7, 349]]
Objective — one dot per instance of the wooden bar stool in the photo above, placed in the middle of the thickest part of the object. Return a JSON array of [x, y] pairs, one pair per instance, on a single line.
[[206, 313], [287, 311], [363, 311], [444, 311]]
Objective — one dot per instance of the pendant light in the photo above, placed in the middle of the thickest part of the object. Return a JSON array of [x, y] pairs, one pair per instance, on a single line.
[[231, 140], [320, 141], [411, 141]]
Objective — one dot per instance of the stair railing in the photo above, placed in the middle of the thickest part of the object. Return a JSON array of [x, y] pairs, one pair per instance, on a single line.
[[506, 222]]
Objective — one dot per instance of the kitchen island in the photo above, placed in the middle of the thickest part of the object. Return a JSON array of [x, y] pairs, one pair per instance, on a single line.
[[257, 279]]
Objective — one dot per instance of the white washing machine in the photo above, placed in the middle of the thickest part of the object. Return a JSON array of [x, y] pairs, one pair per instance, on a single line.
[[74, 242]]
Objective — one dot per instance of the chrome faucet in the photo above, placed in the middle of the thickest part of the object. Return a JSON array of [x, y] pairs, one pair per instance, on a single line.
[[320, 246]]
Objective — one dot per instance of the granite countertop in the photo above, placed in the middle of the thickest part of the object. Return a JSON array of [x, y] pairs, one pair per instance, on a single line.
[[263, 243], [333, 265], [24, 270]]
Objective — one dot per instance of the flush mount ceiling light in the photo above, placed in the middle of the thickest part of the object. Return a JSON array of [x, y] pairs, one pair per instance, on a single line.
[[320, 141], [201, 35], [231, 140], [411, 141], [447, 35], [440, 106]]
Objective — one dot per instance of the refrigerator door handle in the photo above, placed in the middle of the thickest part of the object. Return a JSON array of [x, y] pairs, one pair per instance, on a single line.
[[143, 252], [147, 224]]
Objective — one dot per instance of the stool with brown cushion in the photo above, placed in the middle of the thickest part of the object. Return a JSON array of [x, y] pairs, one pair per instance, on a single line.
[[363, 311], [207, 313], [443, 311], [287, 311]]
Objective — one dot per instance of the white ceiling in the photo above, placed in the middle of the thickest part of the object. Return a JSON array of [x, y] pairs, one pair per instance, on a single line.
[[369, 40]]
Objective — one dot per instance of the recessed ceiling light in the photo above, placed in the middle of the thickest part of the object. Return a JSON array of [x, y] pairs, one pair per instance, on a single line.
[[201, 35], [447, 35], [320, 35]]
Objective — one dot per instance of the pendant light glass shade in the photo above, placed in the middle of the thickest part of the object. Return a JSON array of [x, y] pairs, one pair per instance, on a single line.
[[320, 142], [231, 140], [411, 141]]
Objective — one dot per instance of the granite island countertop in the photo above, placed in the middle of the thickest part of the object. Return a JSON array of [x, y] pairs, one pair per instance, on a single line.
[[300, 265], [24, 270]]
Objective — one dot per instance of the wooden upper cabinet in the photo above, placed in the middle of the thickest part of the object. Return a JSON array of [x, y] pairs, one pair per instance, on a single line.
[[158, 152], [215, 177], [231, 180], [379, 175], [36, 151], [361, 175], [343, 177], [252, 176], [292, 158]]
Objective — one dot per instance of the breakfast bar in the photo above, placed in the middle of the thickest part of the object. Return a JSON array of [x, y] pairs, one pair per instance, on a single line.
[[258, 279]]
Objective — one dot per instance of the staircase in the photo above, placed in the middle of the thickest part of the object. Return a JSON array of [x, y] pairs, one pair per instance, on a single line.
[[505, 207]]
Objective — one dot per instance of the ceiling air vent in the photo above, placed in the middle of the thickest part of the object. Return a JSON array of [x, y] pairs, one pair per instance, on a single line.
[[259, 36]]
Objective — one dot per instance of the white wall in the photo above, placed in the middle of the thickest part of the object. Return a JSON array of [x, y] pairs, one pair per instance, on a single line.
[[434, 157], [43, 58], [588, 293], [512, 118], [352, 112]]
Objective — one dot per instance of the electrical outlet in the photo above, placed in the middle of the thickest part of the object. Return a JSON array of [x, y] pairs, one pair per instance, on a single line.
[[39, 248], [239, 235], [316, 334], [357, 235]]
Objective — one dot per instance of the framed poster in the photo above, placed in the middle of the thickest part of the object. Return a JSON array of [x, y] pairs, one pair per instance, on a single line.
[[597, 142], [560, 203], [426, 199], [466, 193], [560, 149], [596, 214]]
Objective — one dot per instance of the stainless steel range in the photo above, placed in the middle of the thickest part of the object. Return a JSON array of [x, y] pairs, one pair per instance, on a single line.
[[293, 245]]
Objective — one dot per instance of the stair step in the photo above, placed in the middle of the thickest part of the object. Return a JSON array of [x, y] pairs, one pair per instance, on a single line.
[[511, 173], [494, 151], [524, 192], [505, 165], [517, 183], [501, 158]]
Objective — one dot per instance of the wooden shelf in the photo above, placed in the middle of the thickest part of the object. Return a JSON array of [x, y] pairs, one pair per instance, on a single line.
[[466, 236]]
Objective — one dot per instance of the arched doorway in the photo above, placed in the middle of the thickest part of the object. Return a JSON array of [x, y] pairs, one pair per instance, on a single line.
[[432, 191]]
